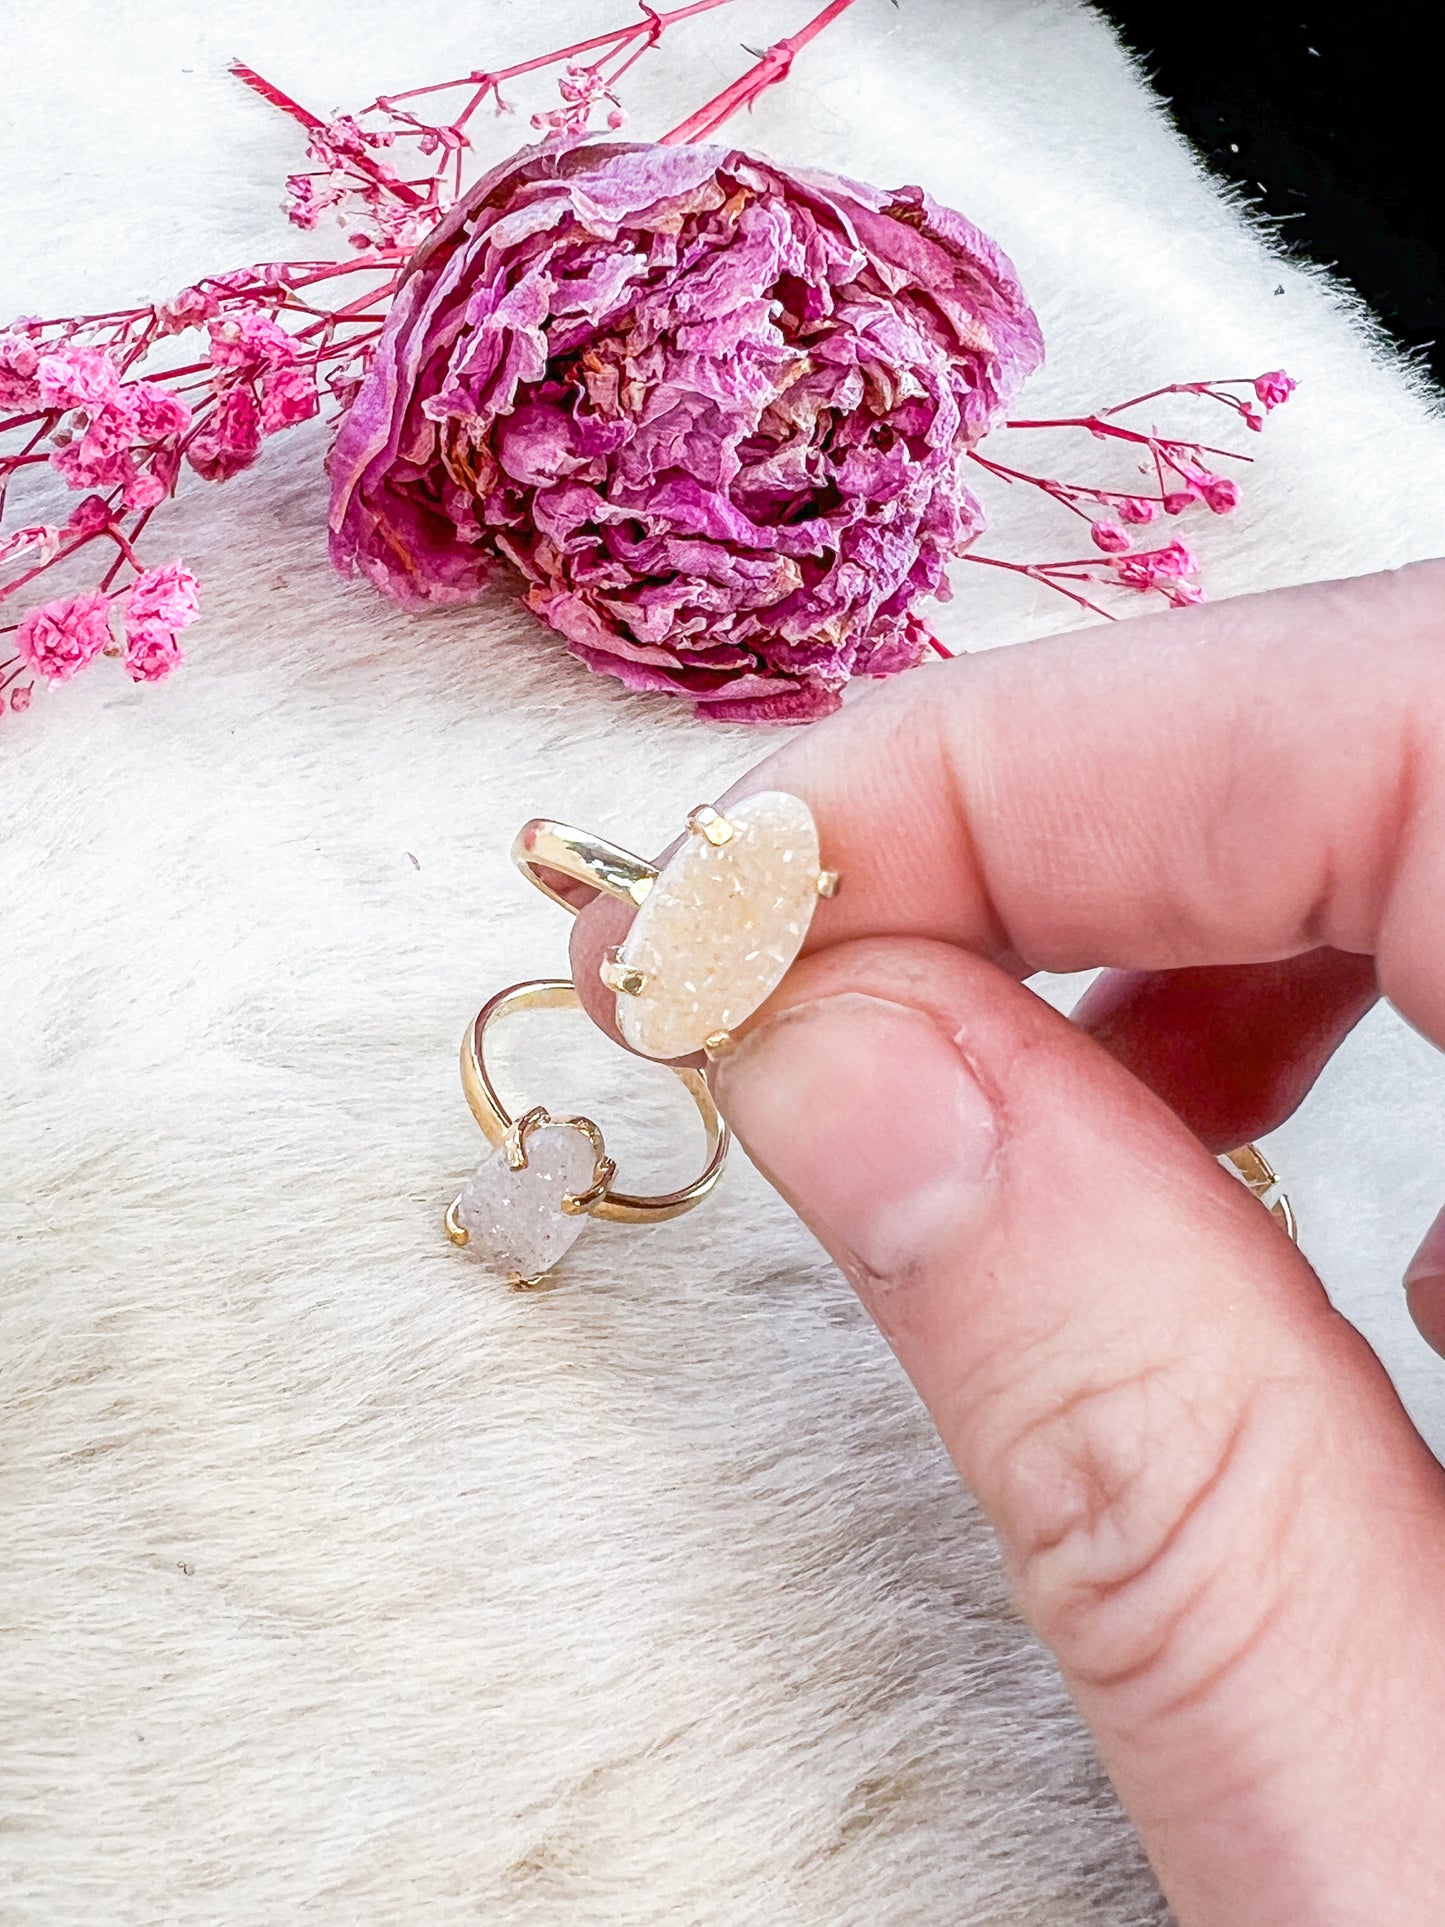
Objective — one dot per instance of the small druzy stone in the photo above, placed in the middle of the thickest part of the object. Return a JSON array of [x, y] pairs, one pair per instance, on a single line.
[[721, 927], [514, 1219]]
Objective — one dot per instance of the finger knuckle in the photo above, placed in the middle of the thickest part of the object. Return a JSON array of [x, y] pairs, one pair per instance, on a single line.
[[1144, 1517]]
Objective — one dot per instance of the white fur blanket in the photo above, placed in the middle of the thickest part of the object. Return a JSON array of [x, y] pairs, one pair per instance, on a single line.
[[340, 1586]]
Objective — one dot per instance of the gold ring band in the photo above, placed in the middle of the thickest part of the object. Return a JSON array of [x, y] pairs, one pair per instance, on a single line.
[[1262, 1179], [549, 854], [616, 1207]]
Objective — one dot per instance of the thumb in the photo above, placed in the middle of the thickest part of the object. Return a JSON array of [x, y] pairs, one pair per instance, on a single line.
[[1212, 1506]]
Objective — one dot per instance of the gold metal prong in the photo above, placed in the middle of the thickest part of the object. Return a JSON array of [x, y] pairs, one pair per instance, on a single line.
[[829, 883], [718, 1045], [641, 890], [519, 1283], [456, 1230], [515, 1142], [625, 979], [580, 1205], [707, 822]]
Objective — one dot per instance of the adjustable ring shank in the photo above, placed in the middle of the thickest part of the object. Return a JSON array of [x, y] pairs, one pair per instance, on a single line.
[[552, 855], [559, 993], [1262, 1179]]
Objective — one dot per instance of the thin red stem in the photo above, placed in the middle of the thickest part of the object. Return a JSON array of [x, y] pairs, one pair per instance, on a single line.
[[1035, 573], [654, 26], [774, 66], [1096, 425], [62, 555], [1189, 388], [270, 92]]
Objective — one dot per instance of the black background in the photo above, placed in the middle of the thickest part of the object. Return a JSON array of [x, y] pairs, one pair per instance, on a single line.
[[1333, 120]]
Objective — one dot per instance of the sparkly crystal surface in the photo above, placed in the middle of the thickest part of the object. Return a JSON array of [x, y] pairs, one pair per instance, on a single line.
[[721, 926], [514, 1219]]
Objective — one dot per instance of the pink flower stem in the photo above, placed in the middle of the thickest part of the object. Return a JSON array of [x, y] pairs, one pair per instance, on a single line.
[[1066, 493], [773, 67], [1210, 388], [328, 271], [1096, 425], [127, 552], [62, 555], [353, 311], [118, 536], [1039, 572], [314, 125], [651, 29]]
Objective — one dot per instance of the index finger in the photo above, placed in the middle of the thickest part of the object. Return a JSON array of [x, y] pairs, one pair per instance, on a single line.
[[1238, 783]]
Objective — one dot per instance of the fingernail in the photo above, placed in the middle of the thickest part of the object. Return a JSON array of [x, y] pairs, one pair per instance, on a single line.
[[866, 1116], [1425, 1285]]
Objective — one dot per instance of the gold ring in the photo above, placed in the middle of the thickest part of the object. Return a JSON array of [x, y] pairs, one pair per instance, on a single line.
[[526, 1203], [549, 853], [1262, 1179], [717, 927]]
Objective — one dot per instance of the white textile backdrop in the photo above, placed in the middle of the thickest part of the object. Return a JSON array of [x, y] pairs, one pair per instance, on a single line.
[[339, 1585]]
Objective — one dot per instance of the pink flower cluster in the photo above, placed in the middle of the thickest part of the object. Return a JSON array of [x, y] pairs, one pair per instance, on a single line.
[[123, 440], [60, 638], [363, 192], [111, 434], [263, 385], [581, 89], [1184, 475]]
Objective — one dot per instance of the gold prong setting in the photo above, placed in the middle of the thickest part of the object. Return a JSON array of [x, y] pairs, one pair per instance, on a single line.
[[525, 1205], [711, 826], [622, 978]]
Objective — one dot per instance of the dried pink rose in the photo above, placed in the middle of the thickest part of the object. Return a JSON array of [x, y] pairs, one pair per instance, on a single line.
[[717, 414], [59, 638], [1111, 537], [1219, 493], [184, 310], [1138, 509], [144, 490], [161, 603]]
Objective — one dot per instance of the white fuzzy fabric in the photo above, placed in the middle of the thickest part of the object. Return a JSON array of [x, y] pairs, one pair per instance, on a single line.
[[339, 1585]]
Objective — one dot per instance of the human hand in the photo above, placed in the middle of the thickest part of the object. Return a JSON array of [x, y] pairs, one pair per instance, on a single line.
[[1213, 1507]]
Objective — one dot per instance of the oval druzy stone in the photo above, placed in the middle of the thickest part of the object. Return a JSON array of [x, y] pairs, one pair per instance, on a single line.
[[720, 928]]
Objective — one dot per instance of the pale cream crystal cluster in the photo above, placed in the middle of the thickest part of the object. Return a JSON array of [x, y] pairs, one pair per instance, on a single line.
[[514, 1218], [721, 927]]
